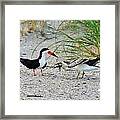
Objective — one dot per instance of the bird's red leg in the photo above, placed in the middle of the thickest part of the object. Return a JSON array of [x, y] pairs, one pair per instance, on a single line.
[[34, 72]]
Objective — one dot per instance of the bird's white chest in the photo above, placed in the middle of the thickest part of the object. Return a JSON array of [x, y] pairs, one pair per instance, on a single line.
[[42, 61], [85, 67]]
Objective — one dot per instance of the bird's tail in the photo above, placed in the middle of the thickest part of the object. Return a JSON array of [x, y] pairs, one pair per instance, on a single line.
[[22, 60], [97, 60]]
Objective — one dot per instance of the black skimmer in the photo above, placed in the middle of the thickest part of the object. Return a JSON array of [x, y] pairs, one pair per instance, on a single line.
[[87, 65], [41, 61], [83, 65]]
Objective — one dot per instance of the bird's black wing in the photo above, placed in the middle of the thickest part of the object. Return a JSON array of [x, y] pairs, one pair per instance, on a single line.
[[31, 64], [92, 62]]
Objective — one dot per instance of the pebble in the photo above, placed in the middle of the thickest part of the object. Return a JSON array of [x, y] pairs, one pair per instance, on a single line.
[[55, 84]]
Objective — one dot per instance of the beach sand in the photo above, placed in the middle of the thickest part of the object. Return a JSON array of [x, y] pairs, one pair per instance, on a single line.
[[54, 84]]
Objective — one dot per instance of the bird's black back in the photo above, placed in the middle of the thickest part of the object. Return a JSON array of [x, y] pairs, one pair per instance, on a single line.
[[31, 64], [92, 62]]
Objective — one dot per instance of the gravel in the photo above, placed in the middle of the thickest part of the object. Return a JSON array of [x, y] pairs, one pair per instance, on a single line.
[[54, 84]]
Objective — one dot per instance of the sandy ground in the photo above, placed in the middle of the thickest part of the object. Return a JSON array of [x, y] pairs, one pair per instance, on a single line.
[[54, 84]]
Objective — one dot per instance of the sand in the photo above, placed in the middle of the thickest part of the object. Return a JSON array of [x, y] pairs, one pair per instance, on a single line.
[[54, 84]]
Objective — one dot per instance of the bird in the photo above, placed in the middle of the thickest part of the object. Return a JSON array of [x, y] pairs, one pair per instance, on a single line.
[[87, 65], [83, 65], [41, 61]]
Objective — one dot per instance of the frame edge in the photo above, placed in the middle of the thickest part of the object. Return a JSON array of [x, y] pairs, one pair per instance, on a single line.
[[2, 60]]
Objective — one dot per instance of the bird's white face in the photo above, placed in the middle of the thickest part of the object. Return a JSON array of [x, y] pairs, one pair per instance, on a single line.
[[45, 55]]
